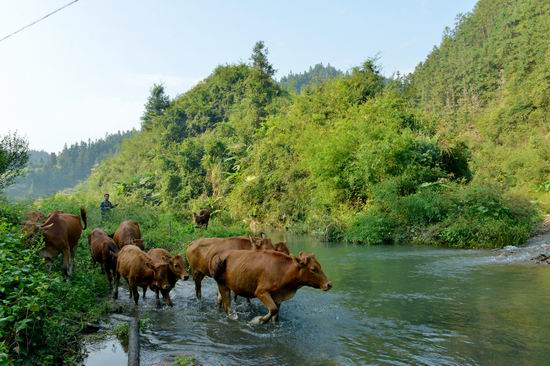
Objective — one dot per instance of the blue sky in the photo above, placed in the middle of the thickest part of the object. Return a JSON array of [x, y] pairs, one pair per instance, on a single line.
[[87, 70]]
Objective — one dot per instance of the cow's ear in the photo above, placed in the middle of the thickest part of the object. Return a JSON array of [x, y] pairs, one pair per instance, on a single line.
[[301, 259]]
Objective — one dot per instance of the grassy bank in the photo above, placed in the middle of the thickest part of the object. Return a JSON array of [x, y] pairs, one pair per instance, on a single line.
[[42, 314]]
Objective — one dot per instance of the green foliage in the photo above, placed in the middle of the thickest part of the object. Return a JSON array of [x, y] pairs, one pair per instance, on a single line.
[[13, 158], [121, 330], [156, 104], [488, 84], [448, 214], [185, 361], [315, 76], [36, 327]]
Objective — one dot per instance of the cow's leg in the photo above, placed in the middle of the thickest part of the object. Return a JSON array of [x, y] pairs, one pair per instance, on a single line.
[[109, 278], [225, 294], [134, 292], [129, 289], [267, 300], [197, 277], [144, 291], [71, 263], [117, 282], [67, 261], [166, 297], [275, 317]]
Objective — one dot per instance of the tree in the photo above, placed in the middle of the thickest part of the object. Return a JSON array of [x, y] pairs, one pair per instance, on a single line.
[[14, 154], [156, 104], [259, 59]]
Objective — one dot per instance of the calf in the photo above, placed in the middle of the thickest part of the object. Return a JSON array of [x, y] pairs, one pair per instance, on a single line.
[[128, 233], [270, 276], [61, 232], [200, 252], [176, 272], [139, 270], [105, 252]]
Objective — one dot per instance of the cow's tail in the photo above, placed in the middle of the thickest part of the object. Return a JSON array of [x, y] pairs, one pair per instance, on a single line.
[[84, 217], [217, 267]]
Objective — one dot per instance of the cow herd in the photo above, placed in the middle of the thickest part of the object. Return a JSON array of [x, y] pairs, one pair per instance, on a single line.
[[250, 267]]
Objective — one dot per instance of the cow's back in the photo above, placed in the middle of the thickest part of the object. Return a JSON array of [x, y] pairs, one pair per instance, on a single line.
[[133, 263], [126, 232], [200, 251]]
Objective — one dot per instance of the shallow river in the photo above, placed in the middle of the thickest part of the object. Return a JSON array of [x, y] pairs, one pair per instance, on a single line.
[[395, 305]]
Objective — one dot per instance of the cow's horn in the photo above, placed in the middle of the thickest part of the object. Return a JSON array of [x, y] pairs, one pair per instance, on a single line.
[[46, 227]]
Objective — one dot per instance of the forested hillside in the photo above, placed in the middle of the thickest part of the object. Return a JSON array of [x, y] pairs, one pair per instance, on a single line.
[[488, 84], [312, 77], [450, 155], [49, 173]]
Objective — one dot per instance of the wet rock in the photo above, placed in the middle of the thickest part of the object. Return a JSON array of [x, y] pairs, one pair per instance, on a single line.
[[90, 328], [542, 259]]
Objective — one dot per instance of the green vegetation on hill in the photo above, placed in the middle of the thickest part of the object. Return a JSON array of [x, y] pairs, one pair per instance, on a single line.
[[314, 76], [357, 157], [46, 173], [488, 84]]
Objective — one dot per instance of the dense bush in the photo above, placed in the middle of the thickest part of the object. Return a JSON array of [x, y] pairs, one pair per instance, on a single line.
[[453, 215], [35, 325]]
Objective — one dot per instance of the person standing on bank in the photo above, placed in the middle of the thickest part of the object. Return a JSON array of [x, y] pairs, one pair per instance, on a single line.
[[106, 206]]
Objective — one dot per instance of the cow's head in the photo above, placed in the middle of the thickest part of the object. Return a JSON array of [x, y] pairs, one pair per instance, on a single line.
[[177, 266], [261, 243], [162, 276], [311, 273], [282, 247], [138, 243]]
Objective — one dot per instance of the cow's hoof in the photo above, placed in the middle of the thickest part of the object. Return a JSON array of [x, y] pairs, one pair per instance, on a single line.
[[256, 320], [233, 316]]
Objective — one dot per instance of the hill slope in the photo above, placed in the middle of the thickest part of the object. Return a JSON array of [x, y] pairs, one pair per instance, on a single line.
[[49, 173], [488, 83]]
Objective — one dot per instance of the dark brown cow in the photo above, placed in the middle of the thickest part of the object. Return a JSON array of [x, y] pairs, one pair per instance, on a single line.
[[176, 272], [270, 276], [203, 217], [139, 270], [128, 233], [200, 251], [61, 232], [104, 251]]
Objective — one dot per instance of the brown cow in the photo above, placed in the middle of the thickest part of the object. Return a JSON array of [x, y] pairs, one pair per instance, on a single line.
[[200, 251], [202, 219], [61, 232], [139, 270], [128, 233], [270, 276], [176, 272], [104, 251], [282, 247]]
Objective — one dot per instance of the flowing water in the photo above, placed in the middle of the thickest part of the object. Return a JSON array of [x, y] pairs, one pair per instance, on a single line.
[[397, 305]]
